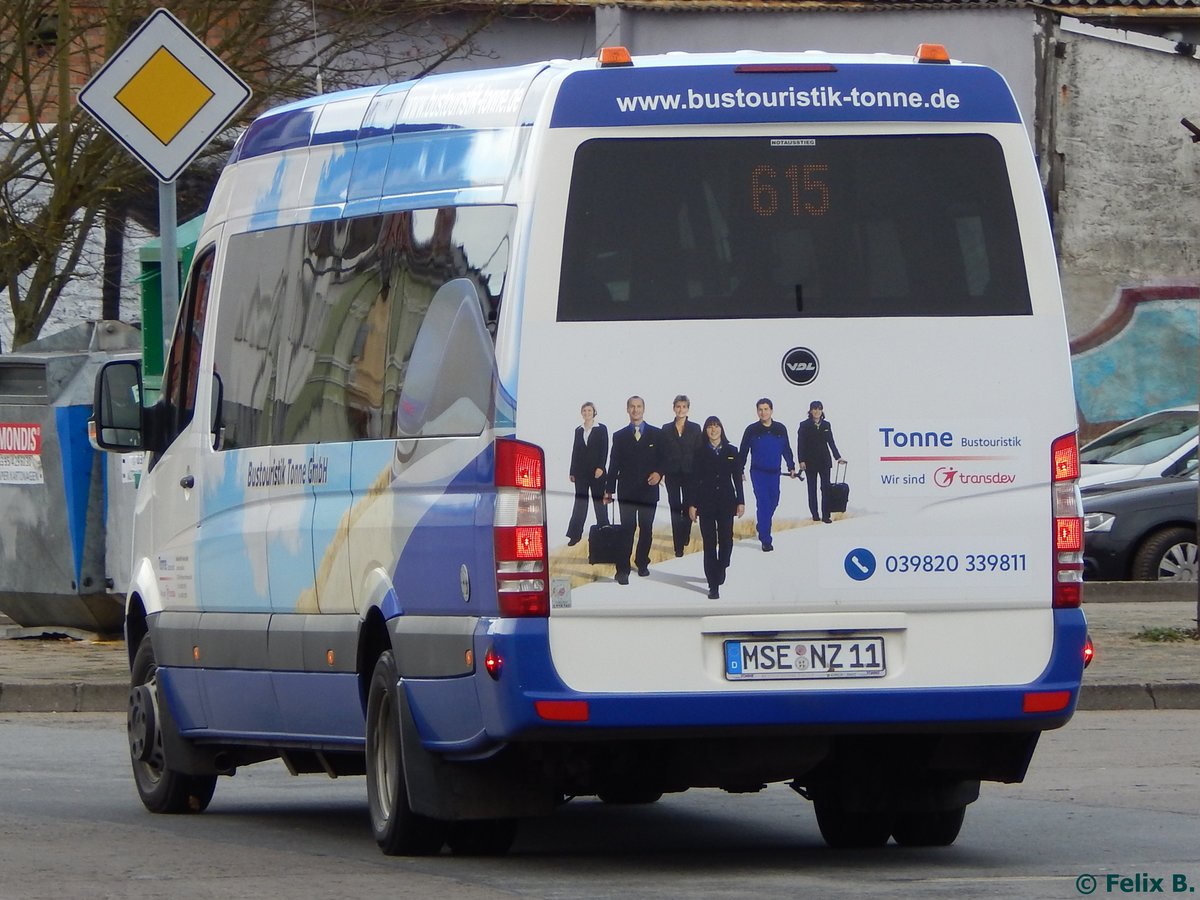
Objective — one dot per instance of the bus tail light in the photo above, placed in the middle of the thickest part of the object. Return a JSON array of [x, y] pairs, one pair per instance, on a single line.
[[519, 530], [1068, 522]]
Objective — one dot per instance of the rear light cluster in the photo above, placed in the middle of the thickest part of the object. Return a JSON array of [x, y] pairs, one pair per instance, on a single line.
[[519, 527], [1068, 522]]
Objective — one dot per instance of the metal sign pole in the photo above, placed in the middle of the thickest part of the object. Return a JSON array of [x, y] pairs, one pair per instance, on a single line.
[[169, 266]]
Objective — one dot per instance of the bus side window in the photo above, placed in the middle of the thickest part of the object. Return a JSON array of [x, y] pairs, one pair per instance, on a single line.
[[183, 362]]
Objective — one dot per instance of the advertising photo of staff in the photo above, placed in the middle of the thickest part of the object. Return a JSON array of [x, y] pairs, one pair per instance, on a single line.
[[619, 478]]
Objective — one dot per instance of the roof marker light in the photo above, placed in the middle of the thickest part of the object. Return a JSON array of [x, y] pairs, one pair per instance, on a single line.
[[613, 56], [931, 53]]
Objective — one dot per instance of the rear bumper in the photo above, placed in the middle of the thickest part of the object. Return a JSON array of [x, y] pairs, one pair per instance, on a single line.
[[529, 702]]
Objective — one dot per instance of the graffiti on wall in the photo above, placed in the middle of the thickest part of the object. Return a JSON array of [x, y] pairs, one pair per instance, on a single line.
[[1141, 357]]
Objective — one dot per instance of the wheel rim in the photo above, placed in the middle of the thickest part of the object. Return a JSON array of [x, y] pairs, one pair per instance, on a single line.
[[385, 759], [145, 732], [1178, 563]]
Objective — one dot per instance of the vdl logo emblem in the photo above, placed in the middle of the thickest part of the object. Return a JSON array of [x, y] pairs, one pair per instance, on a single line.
[[800, 366]]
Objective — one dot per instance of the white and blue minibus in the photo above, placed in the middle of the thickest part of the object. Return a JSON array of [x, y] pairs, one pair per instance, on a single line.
[[610, 428]]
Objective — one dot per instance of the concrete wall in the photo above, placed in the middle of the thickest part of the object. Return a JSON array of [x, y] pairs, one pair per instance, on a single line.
[[1130, 199]]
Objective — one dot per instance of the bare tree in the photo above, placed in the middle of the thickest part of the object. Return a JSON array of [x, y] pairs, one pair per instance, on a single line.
[[61, 175]]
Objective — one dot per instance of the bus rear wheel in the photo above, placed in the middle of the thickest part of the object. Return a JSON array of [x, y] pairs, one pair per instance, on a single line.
[[846, 829], [482, 837], [161, 789], [629, 795], [398, 830], [936, 828]]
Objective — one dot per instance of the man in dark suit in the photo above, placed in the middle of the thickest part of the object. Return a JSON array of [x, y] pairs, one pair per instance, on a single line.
[[634, 472]]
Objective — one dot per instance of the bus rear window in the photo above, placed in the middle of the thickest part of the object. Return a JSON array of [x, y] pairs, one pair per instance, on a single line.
[[736, 228]]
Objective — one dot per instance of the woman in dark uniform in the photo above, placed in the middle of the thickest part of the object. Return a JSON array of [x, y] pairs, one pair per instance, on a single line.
[[677, 444], [588, 455], [716, 498], [815, 451]]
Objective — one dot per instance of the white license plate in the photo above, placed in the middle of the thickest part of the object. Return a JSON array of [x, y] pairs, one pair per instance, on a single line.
[[805, 657]]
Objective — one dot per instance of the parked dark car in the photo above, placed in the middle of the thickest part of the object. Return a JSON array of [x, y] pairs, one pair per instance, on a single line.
[[1143, 530]]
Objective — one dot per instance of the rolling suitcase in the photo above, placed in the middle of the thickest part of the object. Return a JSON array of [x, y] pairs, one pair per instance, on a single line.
[[610, 543], [839, 491]]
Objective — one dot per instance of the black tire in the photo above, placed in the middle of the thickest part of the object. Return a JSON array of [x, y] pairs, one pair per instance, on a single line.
[[161, 789], [928, 829], [630, 796], [1167, 555], [843, 829], [398, 830], [482, 837]]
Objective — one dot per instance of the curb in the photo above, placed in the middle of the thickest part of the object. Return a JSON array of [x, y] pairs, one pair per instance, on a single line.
[[1139, 592], [1160, 695], [55, 698], [113, 697]]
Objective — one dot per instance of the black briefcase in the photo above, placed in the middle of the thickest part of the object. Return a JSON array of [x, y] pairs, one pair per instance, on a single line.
[[838, 495], [609, 544]]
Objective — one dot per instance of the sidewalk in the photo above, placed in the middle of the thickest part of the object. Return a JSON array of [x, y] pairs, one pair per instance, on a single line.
[[80, 673]]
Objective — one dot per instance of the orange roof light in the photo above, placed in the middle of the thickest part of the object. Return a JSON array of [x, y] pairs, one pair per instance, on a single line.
[[932, 53], [613, 56]]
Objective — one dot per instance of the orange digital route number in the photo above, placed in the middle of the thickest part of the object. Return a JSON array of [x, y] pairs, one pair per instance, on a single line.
[[797, 190]]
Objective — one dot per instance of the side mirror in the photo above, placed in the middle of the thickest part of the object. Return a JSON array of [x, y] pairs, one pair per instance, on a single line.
[[117, 421]]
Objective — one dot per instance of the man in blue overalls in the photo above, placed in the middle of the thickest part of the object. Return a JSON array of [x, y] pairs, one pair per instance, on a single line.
[[767, 444]]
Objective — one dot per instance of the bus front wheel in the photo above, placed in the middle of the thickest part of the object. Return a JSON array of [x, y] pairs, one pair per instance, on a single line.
[[161, 789]]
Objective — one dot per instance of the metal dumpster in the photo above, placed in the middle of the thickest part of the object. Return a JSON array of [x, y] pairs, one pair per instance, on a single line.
[[64, 508]]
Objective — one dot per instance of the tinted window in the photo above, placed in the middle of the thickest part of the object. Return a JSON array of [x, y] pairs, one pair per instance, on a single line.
[[322, 327], [771, 227]]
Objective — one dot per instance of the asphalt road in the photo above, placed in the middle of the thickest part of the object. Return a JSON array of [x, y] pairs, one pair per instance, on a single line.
[[1114, 794]]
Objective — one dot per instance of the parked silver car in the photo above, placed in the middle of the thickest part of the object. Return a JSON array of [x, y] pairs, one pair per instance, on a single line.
[[1160, 443]]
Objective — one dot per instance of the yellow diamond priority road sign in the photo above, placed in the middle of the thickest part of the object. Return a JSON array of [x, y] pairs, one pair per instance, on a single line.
[[164, 95]]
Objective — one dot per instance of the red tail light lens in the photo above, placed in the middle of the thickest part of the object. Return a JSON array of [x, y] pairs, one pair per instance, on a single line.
[[493, 663], [1066, 458], [1068, 522], [519, 530], [520, 465]]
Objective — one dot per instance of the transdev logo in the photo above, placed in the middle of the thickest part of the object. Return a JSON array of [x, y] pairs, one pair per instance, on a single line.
[[948, 476], [800, 366], [21, 438]]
